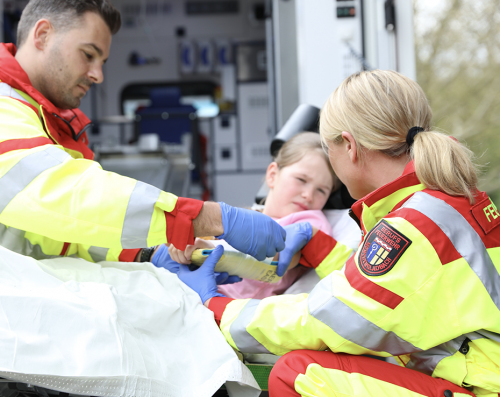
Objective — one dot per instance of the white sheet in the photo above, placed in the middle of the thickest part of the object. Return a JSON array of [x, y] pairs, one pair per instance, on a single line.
[[110, 329]]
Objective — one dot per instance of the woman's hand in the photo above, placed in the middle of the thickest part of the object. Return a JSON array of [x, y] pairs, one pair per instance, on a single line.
[[293, 263], [161, 258], [184, 257], [297, 236], [204, 280]]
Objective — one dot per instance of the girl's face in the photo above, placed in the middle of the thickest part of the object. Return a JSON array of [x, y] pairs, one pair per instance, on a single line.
[[304, 185]]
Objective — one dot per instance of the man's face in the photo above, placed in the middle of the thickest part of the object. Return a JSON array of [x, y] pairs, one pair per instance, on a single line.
[[73, 61]]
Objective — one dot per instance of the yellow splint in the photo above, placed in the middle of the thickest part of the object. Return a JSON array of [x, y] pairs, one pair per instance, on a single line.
[[240, 264]]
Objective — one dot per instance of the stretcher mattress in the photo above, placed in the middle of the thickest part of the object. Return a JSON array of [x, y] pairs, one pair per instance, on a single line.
[[110, 329]]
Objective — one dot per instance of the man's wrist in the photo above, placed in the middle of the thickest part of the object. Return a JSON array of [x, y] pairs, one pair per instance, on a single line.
[[209, 220], [146, 254]]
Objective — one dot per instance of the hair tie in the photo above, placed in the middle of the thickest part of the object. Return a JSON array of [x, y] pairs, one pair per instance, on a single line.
[[411, 134]]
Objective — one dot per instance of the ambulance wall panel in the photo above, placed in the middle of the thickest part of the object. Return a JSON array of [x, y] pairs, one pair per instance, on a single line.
[[155, 35]]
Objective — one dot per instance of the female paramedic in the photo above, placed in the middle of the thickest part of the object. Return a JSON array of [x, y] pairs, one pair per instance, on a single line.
[[424, 285]]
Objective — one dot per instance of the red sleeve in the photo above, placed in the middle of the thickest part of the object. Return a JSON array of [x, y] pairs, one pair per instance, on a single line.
[[317, 249], [128, 255], [218, 305], [180, 222]]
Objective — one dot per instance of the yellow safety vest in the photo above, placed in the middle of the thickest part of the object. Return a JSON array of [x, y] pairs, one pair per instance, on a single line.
[[53, 201], [424, 287]]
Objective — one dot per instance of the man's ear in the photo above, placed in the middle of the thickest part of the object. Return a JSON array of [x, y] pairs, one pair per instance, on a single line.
[[271, 174], [41, 33], [350, 146]]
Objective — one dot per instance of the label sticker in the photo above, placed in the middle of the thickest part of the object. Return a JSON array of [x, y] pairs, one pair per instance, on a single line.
[[382, 249]]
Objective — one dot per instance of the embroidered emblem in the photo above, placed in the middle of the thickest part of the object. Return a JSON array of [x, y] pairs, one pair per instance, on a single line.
[[486, 215], [381, 250]]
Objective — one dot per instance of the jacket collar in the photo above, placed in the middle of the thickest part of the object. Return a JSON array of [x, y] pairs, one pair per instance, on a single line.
[[65, 126], [14, 75], [374, 206]]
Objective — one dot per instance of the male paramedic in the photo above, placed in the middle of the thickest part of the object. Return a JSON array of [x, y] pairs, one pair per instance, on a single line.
[[54, 199]]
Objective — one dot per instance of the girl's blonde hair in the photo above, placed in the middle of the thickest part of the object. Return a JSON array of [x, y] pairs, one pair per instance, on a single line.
[[297, 147], [378, 108]]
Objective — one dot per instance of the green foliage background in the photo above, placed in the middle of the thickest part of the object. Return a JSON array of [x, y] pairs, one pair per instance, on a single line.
[[458, 66]]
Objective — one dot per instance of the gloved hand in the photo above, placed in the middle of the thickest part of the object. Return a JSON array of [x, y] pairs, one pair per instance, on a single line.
[[204, 280], [251, 232], [297, 236], [161, 258]]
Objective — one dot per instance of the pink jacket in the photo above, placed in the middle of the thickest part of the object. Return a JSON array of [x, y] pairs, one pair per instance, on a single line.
[[258, 289]]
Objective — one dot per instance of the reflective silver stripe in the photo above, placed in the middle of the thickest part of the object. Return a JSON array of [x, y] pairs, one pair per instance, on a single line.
[[98, 254], [350, 325], [26, 170], [15, 240], [138, 216], [7, 90], [244, 341], [482, 333], [464, 238], [428, 360]]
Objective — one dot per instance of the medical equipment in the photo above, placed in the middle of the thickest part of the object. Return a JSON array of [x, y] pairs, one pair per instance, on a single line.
[[240, 264]]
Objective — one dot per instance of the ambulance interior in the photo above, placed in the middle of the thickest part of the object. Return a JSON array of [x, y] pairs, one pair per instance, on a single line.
[[201, 88], [199, 95]]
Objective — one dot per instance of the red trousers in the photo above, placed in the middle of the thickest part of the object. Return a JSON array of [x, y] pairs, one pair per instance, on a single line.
[[313, 373]]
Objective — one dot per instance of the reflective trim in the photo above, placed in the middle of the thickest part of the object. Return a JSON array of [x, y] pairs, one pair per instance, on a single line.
[[243, 340], [463, 236], [14, 239], [138, 216], [427, 361], [98, 254], [482, 333], [26, 170], [352, 326], [7, 90]]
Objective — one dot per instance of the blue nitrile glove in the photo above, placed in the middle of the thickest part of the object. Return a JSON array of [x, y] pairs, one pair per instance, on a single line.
[[297, 236], [162, 258], [251, 232], [204, 280]]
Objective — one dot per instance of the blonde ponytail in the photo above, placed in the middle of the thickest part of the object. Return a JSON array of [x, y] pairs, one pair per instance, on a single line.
[[378, 108], [444, 164]]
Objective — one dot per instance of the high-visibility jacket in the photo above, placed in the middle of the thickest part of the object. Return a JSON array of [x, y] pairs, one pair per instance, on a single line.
[[55, 200], [423, 287]]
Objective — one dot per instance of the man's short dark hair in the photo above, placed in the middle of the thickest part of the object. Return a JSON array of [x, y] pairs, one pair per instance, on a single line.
[[64, 13]]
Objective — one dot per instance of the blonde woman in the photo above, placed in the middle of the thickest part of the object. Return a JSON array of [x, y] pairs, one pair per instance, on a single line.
[[424, 285]]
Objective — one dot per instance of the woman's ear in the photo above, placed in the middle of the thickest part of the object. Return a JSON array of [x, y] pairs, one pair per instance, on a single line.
[[350, 146], [271, 174]]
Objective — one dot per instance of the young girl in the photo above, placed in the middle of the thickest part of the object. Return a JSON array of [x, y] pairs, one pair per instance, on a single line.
[[300, 181]]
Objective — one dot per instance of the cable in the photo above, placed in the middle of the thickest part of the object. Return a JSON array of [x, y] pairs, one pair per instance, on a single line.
[[358, 56]]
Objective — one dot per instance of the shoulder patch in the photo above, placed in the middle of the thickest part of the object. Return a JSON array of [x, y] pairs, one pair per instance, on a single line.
[[486, 215], [382, 249]]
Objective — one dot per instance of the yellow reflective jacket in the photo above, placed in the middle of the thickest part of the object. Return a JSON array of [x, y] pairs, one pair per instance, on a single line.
[[424, 287], [54, 200]]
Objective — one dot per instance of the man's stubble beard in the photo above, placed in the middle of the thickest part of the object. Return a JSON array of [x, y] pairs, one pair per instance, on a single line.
[[55, 82]]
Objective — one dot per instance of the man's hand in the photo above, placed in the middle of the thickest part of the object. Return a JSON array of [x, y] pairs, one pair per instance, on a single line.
[[251, 232], [297, 236], [204, 280]]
